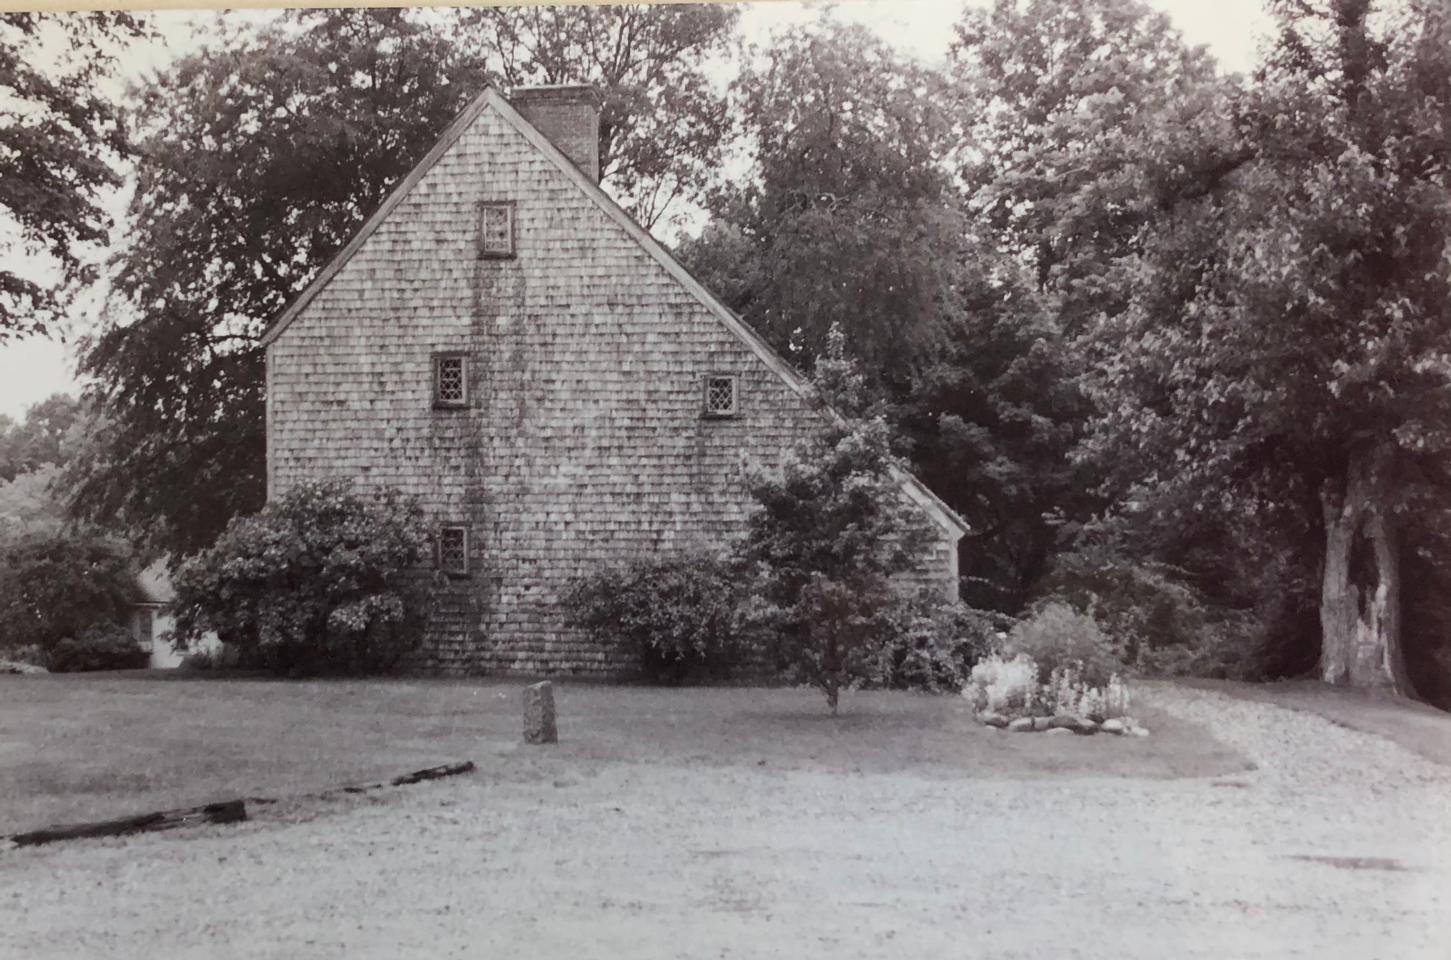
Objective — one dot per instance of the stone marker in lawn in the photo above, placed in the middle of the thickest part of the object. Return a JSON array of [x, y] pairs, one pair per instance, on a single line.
[[539, 726]]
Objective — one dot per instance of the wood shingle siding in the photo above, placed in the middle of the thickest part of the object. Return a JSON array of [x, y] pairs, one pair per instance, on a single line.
[[583, 438]]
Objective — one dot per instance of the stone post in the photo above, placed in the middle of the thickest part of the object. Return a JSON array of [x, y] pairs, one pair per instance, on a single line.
[[539, 726]]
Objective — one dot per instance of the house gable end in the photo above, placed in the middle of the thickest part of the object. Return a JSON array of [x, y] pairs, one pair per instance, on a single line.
[[491, 100]]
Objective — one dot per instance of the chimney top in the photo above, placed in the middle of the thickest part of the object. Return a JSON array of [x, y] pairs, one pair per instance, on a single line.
[[556, 91], [568, 114]]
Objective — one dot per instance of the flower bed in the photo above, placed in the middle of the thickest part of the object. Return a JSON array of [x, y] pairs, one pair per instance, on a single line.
[[1012, 694]]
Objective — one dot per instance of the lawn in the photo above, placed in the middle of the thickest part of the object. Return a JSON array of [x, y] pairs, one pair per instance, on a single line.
[[79, 747], [709, 823]]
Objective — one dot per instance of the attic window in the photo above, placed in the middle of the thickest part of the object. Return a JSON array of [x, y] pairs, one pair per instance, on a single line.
[[450, 380], [721, 396], [453, 550], [496, 231]]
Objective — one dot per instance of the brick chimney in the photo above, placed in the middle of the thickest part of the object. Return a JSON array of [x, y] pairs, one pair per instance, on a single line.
[[569, 115]]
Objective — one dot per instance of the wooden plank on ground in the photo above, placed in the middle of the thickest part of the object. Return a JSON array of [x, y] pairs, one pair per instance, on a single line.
[[229, 811], [433, 773]]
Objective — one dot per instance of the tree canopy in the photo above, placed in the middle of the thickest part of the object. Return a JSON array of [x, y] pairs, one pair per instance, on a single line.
[[60, 145], [845, 219], [1284, 351], [257, 158]]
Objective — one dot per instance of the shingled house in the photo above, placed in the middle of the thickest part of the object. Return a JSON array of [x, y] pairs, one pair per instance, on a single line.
[[505, 342]]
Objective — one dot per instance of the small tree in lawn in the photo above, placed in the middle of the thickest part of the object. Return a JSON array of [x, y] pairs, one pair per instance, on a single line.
[[831, 529], [321, 579]]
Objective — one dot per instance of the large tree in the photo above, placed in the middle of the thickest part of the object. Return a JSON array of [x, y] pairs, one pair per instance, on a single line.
[[853, 214], [846, 216], [257, 158], [992, 416], [1284, 355], [60, 143], [1072, 116], [1084, 125], [47, 437]]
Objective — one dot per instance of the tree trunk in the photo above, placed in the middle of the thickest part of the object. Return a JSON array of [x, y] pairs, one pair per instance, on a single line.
[[1360, 594]]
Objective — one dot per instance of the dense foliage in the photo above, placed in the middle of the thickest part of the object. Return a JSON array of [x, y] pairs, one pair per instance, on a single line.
[[46, 437], [323, 579], [1055, 635], [844, 222], [258, 156], [55, 584], [928, 644], [1282, 356], [33, 455], [1160, 623], [677, 613], [60, 145], [101, 646]]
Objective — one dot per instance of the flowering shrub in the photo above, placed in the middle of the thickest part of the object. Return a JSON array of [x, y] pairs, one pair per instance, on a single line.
[[677, 613], [323, 579]]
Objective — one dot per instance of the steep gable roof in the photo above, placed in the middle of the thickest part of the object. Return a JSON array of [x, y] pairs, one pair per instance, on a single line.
[[492, 99]]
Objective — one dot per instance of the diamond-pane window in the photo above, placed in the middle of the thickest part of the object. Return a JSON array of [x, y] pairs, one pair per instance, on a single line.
[[720, 396], [453, 550], [496, 229], [450, 380]]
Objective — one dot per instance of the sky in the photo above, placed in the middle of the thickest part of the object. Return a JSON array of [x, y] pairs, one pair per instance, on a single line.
[[33, 369]]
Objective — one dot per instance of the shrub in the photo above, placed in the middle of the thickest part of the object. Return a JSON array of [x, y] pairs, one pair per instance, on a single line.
[[1144, 607], [32, 655], [676, 613], [56, 584], [1160, 625], [321, 580], [932, 645], [101, 646], [1055, 636]]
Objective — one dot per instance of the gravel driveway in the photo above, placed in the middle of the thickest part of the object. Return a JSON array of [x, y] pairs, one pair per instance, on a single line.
[[1337, 845]]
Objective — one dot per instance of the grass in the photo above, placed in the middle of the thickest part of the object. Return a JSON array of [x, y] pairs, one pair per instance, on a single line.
[[82, 747], [704, 823]]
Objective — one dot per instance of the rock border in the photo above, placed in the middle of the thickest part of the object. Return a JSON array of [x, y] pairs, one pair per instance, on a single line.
[[1083, 726]]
